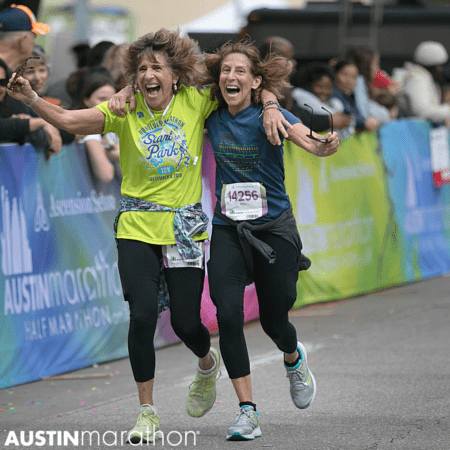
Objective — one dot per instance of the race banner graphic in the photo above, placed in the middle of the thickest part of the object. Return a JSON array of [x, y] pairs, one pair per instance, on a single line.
[[369, 217]]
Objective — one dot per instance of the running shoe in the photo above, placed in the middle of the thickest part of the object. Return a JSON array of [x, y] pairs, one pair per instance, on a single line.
[[303, 384], [246, 427], [202, 393], [146, 427]]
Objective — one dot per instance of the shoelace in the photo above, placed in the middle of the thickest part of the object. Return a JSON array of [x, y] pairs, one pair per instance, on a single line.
[[297, 378], [241, 416], [202, 383], [143, 416]]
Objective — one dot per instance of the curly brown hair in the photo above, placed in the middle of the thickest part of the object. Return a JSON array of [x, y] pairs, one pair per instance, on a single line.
[[273, 70], [180, 53]]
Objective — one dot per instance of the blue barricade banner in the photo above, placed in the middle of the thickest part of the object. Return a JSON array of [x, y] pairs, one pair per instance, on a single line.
[[61, 298], [420, 210], [62, 303]]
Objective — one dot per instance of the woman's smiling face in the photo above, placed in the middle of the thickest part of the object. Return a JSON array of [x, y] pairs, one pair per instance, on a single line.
[[322, 88], [155, 81], [236, 82], [37, 75]]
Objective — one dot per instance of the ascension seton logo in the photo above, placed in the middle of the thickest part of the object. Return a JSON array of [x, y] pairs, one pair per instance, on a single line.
[[165, 148], [16, 255], [41, 221]]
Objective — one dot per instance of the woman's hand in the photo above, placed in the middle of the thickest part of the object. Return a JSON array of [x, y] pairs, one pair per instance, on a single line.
[[327, 148], [21, 116], [21, 90], [54, 140], [118, 102], [371, 124], [274, 122]]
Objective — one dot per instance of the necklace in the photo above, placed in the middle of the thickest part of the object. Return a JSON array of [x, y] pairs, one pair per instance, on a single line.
[[164, 112], [175, 135]]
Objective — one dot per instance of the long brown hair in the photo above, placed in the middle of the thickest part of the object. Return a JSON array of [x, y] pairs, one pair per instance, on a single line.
[[273, 70], [180, 53]]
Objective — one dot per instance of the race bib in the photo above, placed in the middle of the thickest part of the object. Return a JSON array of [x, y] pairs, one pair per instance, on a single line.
[[172, 258], [244, 201]]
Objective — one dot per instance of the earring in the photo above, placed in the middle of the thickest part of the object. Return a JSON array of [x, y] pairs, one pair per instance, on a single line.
[[175, 88]]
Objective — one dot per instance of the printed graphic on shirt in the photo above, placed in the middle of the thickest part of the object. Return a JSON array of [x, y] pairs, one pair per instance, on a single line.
[[243, 159], [164, 148]]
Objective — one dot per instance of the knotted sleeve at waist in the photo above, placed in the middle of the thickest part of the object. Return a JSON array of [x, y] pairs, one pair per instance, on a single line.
[[189, 220], [284, 226]]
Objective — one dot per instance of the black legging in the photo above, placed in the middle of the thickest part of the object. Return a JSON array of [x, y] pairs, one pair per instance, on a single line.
[[139, 268], [276, 288]]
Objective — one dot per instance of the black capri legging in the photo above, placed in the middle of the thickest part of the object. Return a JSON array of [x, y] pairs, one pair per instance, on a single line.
[[276, 288], [139, 267]]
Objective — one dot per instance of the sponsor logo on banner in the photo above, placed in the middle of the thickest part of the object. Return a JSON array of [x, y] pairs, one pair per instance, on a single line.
[[56, 290], [16, 255], [40, 216]]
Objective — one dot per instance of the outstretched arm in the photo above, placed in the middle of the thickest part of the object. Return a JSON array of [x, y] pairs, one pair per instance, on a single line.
[[298, 135], [83, 121]]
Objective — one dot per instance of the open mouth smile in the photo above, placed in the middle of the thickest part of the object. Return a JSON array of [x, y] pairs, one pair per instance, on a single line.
[[233, 91], [153, 89]]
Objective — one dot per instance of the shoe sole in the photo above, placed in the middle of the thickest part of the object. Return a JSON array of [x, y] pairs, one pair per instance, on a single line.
[[313, 380], [244, 437], [217, 357]]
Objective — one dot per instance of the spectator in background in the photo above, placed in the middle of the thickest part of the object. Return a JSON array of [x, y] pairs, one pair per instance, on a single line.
[[80, 51], [346, 74], [279, 46], [313, 85], [58, 90], [18, 29], [96, 54], [93, 86], [37, 74], [446, 94], [389, 101], [94, 57], [423, 81], [113, 61], [16, 124], [368, 64]]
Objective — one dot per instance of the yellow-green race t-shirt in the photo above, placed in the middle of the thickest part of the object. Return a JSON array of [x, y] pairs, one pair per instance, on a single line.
[[154, 167]]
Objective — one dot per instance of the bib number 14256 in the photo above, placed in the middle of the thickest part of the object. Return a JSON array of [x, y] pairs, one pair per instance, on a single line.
[[244, 201]]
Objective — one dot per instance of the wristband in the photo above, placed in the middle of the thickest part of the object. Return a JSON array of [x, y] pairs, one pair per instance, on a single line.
[[36, 98], [271, 103], [268, 104]]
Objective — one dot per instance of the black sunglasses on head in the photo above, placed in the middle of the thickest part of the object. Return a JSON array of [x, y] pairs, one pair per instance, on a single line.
[[4, 82], [310, 135]]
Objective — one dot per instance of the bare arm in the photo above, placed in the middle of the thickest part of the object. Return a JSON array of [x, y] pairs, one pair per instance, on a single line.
[[83, 121], [102, 167], [274, 121], [298, 135]]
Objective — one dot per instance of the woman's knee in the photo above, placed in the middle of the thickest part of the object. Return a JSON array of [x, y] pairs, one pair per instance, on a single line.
[[230, 320], [184, 328]]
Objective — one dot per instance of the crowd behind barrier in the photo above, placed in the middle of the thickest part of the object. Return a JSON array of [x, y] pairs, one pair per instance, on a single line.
[[369, 216]]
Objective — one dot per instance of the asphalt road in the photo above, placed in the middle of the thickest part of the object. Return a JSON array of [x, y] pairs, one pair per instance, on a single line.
[[381, 361]]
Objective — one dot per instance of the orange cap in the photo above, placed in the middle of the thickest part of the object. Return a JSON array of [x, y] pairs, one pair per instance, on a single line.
[[36, 27]]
